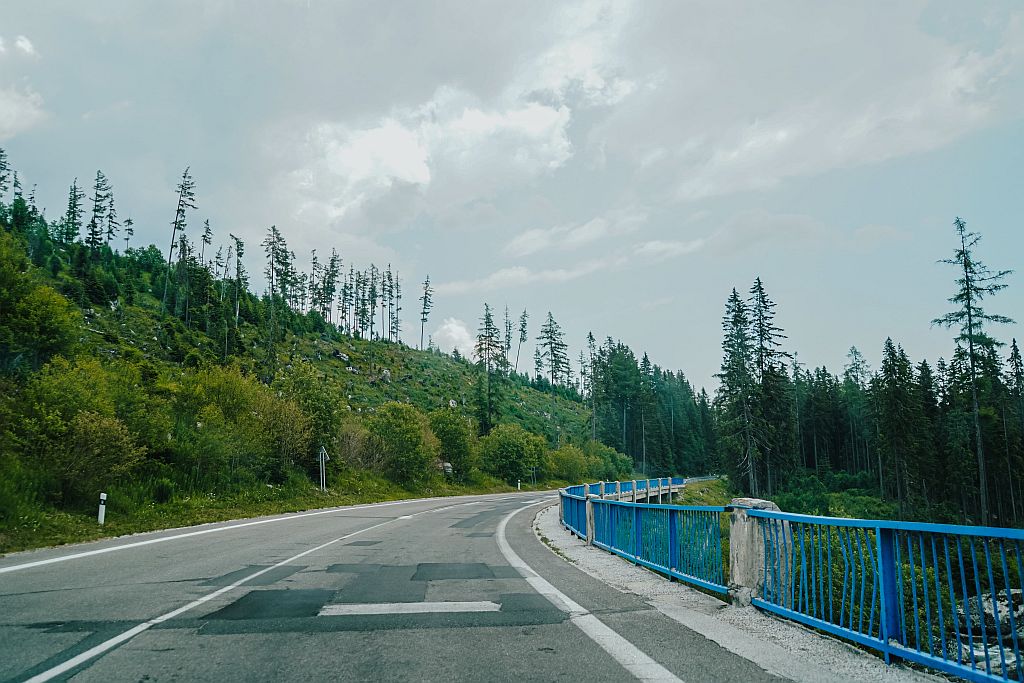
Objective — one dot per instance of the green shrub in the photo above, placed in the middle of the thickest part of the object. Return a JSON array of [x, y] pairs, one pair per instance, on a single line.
[[407, 446], [511, 453], [455, 434]]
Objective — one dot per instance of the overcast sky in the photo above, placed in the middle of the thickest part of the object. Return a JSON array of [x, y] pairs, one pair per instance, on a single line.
[[621, 164]]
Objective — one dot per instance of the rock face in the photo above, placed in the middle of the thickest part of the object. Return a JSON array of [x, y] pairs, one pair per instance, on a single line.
[[996, 615]]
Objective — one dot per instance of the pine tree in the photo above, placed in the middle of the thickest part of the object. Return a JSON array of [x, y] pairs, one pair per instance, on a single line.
[[207, 240], [490, 365], [974, 283], [427, 303], [72, 224], [129, 231], [523, 318], [100, 198], [186, 200], [736, 434], [112, 224], [554, 350]]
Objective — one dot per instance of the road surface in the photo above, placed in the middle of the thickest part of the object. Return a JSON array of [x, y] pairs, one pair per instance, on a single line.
[[439, 589]]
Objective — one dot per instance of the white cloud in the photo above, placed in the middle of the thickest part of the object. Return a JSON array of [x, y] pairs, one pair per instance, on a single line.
[[25, 45], [665, 249], [452, 149], [569, 237], [454, 334], [751, 95], [518, 276], [583, 57], [3, 48], [19, 111]]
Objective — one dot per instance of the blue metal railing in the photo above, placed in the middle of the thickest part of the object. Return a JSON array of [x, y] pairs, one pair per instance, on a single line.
[[574, 511], [950, 597], [684, 542]]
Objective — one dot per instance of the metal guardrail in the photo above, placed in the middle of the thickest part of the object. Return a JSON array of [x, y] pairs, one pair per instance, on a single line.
[[950, 597], [684, 542]]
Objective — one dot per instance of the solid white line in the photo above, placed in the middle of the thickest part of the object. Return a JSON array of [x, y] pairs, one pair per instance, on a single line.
[[407, 608], [202, 532], [632, 658], [107, 645]]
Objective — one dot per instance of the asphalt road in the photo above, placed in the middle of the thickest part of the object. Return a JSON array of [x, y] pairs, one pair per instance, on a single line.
[[442, 589]]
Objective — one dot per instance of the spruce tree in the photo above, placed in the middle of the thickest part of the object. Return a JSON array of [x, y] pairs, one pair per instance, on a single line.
[[186, 200], [974, 282], [426, 304]]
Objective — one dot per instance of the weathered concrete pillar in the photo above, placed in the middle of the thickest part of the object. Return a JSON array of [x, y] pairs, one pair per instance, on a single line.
[[590, 520], [561, 506], [634, 491], [746, 550], [601, 484], [618, 490]]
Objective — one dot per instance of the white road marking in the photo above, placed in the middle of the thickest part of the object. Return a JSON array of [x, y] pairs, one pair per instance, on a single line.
[[407, 608], [632, 658], [201, 532], [107, 645]]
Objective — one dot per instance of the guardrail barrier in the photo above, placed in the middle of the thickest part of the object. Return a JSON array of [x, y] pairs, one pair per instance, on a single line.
[[945, 596]]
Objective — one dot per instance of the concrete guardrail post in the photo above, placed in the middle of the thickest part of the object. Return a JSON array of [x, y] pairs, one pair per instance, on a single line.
[[618, 490], [601, 484], [634, 490], [746, 549], [590, 520]]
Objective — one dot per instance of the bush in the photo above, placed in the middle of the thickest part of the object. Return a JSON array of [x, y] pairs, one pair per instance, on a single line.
[[510, 452], [407, 446], [455, 434], [569, 464]]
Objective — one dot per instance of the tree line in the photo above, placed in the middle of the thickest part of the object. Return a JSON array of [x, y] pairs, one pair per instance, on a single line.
[[938, 442]]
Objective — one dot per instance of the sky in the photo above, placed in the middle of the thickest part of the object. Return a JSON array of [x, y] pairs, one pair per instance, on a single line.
[[622, 165]]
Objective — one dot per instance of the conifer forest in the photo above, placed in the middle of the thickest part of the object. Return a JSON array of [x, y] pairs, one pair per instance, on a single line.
[[159, 373]]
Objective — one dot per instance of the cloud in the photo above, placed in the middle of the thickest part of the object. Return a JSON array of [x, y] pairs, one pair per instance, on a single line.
[[783, 94], [20, 109], [454, 334], [568, 237], [518, 276], [666, 249], [452, 149], [25, 45], [754, 228]]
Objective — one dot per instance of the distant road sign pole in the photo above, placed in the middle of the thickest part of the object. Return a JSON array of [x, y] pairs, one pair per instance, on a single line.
[[101, 516]]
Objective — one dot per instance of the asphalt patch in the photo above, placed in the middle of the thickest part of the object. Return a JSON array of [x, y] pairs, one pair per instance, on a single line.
[[363, 543], [271, 577], [275, 604]]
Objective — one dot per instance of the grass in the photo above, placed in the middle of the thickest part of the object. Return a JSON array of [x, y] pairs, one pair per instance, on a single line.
[[53, 527]]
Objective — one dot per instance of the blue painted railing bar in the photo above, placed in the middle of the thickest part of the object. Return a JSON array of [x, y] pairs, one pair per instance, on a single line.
[[950, 597], [684, 542], [574, 513]]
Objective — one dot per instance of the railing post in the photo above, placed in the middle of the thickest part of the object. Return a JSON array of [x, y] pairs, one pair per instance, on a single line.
[[674, 551], [891, 612], [636, 534], [618, 490], [590, 520], [602, 489], [634, 490], [746, 550], [561, 506]]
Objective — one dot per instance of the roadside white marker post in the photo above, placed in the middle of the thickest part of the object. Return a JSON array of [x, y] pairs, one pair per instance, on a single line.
[[102, 514], [323, 468], [519, 484]]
